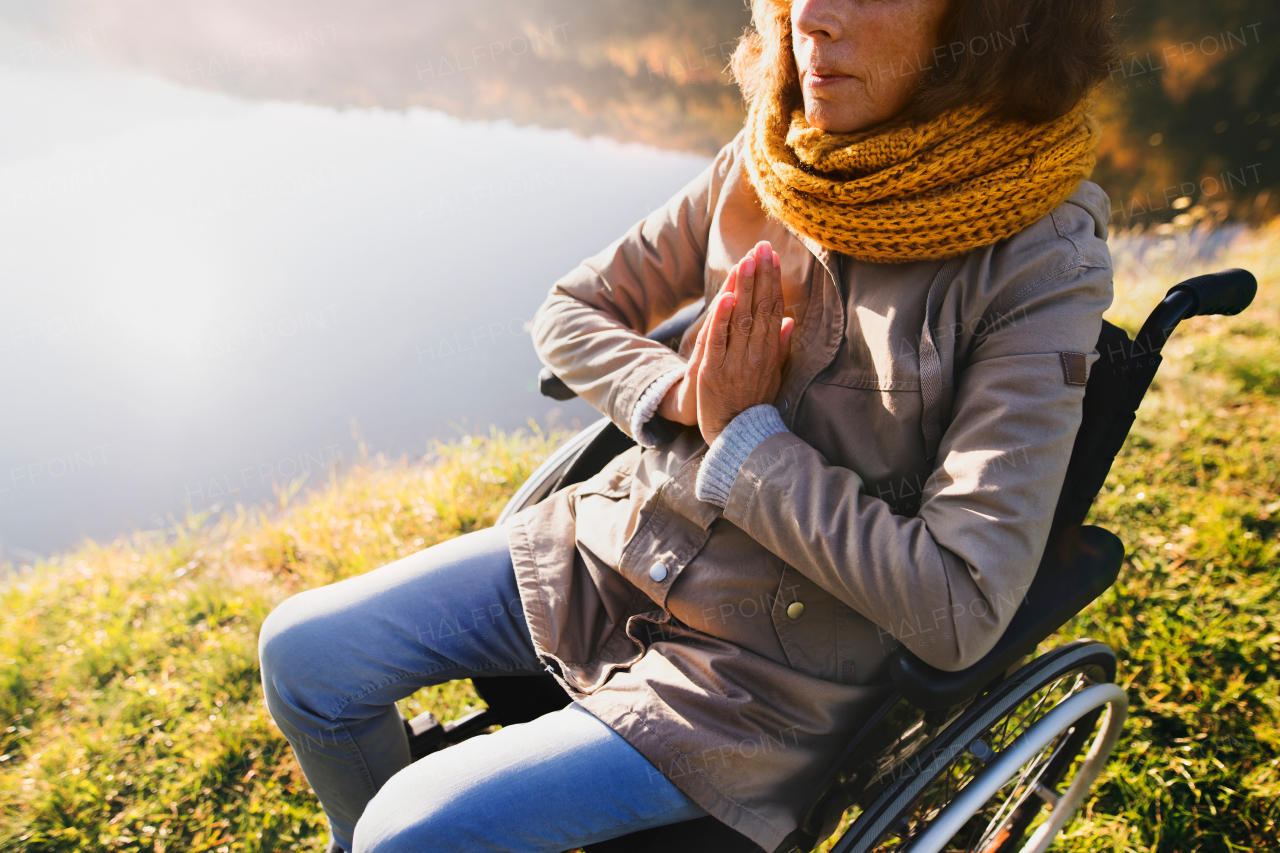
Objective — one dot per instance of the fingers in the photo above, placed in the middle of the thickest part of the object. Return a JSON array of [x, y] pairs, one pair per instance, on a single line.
[[700, 342], [695, 357], [766, 314], [699, 345], [717, 329], [749, 275], [784, 338], [742, 342], [731, 283], [755, 324], [740, 324], [787, 325]]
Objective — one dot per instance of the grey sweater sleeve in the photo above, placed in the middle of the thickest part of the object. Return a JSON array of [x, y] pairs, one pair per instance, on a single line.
[[647, 406], [731, 448]]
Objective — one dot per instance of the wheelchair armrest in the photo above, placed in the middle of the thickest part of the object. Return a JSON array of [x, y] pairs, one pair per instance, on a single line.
[[1077, 567], [553, 386]]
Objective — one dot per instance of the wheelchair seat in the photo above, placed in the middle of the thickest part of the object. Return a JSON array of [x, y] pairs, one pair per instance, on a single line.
[[1078, 564]]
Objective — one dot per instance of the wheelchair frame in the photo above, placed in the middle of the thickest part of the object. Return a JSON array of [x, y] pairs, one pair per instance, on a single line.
[[951, 751]]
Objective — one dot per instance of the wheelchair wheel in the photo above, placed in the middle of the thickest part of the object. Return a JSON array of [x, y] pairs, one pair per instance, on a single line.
[[986, 780]]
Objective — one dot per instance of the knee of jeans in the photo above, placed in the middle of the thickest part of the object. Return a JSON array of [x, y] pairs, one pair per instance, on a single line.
[[287, 642]]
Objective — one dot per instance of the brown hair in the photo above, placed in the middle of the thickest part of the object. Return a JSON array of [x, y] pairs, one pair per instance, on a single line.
[[1031, 60]]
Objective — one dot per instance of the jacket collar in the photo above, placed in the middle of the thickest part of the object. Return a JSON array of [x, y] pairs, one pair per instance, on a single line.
[[1094, 201], [830, 260]]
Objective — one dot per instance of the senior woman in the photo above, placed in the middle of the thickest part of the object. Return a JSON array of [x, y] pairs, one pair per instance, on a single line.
[[906, 272]]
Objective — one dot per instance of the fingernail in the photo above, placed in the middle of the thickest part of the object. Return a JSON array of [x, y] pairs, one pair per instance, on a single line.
[[749, 265], [776, 261]]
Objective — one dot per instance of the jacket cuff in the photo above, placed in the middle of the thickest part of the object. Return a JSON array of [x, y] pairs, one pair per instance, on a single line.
[[647, 406], [730, 450]]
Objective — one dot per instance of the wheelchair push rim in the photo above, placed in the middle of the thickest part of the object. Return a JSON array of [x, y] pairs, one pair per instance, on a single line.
[[1024, 764], [983, 781]]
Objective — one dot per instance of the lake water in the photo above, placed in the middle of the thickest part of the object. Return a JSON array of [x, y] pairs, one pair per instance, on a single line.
[[201, 295]]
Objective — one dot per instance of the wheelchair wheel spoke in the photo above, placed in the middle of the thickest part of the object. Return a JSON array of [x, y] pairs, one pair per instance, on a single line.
[[1021, 790], [1000, 824], [1029, 718], [998, 741], [1029, 778], [1041, 706]]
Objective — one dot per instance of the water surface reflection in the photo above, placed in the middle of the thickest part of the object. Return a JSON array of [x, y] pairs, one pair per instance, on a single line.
[[200, 295]]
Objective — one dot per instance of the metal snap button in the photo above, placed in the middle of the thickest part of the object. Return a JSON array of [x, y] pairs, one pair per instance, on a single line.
[[658, 572], [782, 407], [795, 609]]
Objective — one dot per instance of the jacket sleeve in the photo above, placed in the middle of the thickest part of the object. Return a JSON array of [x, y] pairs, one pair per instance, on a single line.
[[959, 568], [590, 331]]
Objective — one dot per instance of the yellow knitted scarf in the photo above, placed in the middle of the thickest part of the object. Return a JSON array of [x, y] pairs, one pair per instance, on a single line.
[[916, 191]]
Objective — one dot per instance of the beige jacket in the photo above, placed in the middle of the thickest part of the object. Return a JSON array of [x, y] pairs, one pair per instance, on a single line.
[[740, 698]]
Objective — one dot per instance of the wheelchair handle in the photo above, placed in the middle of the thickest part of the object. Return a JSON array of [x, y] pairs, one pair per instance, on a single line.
[[1227, 292]]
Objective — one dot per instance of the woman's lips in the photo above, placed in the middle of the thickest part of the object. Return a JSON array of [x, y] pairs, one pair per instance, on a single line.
[[819, 80]]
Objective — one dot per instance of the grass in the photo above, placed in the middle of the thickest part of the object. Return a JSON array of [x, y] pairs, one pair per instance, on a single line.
[[129, 695], [129, 682], [1195, 614]]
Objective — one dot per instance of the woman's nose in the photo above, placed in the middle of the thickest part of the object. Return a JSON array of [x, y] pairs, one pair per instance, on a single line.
[[819, 18]]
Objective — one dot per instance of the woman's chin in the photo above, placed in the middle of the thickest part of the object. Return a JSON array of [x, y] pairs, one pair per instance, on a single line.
[[832, 118], [841, 116]]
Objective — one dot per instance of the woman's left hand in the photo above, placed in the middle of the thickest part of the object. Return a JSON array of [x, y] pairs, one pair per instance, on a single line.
[[742, 346]]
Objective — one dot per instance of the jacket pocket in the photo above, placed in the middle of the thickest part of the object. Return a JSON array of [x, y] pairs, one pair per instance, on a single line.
[[614, 480], [603, 511], [805, 618], [826, 638], [873, 431]]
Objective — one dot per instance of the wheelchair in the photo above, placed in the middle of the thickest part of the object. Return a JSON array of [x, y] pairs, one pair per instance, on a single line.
[[991, 759]]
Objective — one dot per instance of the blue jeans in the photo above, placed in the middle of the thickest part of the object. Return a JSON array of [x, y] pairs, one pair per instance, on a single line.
[[335, 660]]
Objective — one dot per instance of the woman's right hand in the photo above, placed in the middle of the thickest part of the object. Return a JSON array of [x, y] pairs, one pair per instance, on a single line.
[[680, 403]]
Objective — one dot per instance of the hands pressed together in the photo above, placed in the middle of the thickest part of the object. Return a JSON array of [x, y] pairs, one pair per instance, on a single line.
[[737, 360]]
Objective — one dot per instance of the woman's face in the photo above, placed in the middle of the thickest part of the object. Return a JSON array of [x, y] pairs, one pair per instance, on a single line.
[[861, 60]]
